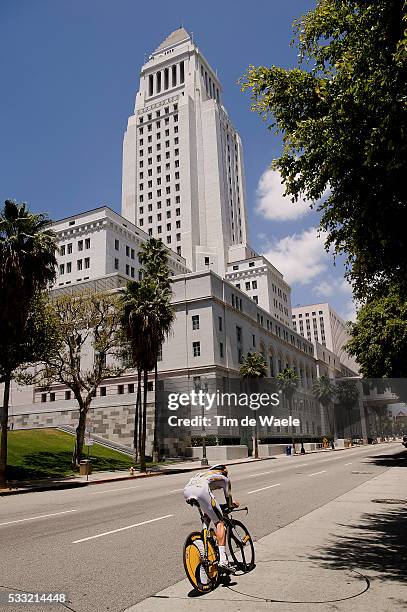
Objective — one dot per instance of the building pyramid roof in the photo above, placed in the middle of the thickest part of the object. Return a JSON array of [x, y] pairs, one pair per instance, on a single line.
[[174, 38]]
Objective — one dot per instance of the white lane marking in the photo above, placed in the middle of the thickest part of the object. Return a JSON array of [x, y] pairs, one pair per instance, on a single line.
[[316, 473], [175, 490], [299, 464], [348, 463], [33, 518], [113, 490], [259, 474], [264, 488], [100, 535]]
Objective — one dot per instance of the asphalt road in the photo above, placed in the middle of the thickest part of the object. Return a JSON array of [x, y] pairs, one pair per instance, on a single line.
[[109, 546]]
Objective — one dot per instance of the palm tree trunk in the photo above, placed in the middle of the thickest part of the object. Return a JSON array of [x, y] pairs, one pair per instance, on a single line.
[[144, 429], [136, 445], [156, 445], [140, 420], [4, 432]]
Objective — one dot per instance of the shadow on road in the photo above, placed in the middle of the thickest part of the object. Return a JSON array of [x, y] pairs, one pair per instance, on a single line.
[[395, 460]]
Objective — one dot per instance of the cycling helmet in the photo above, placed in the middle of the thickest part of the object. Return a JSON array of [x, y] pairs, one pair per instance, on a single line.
[[220, 467]]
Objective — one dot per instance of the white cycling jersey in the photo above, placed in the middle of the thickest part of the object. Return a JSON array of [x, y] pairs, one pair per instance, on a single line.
[[200, 487]]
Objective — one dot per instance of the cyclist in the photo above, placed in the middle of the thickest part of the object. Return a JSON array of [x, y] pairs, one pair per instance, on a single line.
[[200, 488]]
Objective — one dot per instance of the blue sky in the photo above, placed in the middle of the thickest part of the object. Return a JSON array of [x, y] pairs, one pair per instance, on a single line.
[[69, 74]]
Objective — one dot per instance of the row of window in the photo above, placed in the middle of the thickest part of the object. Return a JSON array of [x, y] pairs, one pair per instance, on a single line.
[[81, 264], [158, 147], [120, 390], [68, 248], [158, 171], [320, 312], [149, 116], [157, 122], [158, 158], [158, 181]]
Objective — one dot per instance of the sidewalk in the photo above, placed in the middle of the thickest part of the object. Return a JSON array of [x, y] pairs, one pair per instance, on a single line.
[[348, 555]]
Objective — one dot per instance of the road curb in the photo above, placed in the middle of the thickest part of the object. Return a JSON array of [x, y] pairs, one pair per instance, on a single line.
[[73, 485], [104, 480], [40, 488]]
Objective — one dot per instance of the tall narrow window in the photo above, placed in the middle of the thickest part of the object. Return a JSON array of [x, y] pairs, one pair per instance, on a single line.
[[181, 72], [174, 76], [150, 85], [158, 77], [166, 78]]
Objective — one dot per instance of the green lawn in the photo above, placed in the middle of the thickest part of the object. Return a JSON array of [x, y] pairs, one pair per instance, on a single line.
[[42, 453]]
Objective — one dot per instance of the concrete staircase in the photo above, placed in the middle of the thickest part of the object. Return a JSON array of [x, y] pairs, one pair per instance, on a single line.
[[120, 448]]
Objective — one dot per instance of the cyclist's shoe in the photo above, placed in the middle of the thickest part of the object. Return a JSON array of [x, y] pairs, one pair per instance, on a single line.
[[226, 567]]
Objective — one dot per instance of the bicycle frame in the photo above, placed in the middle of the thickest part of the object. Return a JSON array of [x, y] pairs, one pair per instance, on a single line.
[[206, 522]]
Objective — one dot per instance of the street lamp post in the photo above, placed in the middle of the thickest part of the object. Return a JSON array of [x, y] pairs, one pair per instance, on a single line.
[[202, 385], [204, 460]]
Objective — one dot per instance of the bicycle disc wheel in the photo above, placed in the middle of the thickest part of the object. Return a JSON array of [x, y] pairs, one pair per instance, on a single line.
[[241, 546], [203, 575]]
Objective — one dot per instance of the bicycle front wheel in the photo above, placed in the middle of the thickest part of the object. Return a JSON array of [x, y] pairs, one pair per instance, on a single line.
[[241, 546], [202, 573]]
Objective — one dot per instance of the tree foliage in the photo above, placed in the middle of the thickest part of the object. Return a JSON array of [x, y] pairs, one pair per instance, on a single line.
[[342, 115], [86, 349], [287, 382], [27, 267], [379, 337], [253, 366], [252, 369]]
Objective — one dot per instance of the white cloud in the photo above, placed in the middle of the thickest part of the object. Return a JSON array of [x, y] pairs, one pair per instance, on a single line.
[[348, 312], [300, 257], [271, 202], [333, 286], [340, 291]]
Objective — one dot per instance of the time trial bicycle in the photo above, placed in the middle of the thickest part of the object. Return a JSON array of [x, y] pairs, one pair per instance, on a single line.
[[201, 553]]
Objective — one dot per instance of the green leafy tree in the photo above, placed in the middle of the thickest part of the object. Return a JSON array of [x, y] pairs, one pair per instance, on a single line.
[[147, 320], [27, 266], [252, 369], [324, 391], [87, 349], [287, 383], [379, 337], [342, 115]]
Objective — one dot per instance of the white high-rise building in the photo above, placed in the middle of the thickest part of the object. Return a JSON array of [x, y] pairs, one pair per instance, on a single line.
[[183, 176], [321, 323]]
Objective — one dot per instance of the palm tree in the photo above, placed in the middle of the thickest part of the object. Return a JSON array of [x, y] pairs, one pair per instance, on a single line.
[[252, 368], [324, 391], [347, 394], [27, 266], [287, 381], [153, 257], [147, 319]]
